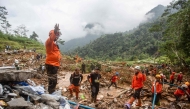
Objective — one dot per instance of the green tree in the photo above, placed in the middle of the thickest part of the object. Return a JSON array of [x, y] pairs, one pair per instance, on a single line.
[[176, 31], [3, 20], [21, 31], [34, 36]]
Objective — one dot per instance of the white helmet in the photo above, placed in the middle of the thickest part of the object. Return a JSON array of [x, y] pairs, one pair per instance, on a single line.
[[184, 86], [138, 67]]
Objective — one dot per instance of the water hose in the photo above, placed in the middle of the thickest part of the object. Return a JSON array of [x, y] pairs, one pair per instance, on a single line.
[[154, 95], [82, 106]]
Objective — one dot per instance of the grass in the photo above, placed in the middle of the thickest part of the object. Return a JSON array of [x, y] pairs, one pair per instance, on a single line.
[[17, 42]]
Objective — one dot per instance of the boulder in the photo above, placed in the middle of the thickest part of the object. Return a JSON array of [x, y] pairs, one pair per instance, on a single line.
[[16, 75]]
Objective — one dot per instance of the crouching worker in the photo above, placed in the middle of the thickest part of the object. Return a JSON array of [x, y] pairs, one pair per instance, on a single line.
[[156, 90], [137, 85], [181, 91], [188, 90], [94, 78], [75, 80], [113, 80]]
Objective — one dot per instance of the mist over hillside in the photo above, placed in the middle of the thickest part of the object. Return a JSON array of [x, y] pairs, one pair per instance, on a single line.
[[95, 30], [137, 43]]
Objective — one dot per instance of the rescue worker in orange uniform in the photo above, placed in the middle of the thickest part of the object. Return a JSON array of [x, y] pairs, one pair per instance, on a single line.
[[188, 90], [180, 92], [158, 85], [75, 80], [114, 79], [137, 85], [179, 77], [53, 58], [172, 79]]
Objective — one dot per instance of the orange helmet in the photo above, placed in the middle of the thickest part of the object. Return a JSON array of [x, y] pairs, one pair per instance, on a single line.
[[187, 83], [158, 76]]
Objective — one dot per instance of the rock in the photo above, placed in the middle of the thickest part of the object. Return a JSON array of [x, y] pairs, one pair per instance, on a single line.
[[53, 104], [115, 100], [16, 75], [170, 99], [92, 105], [18, 102], [144, 98]]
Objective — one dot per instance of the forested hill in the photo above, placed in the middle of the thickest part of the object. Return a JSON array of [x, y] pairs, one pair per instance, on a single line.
[[156, 12], [119, 46], [74, 43]]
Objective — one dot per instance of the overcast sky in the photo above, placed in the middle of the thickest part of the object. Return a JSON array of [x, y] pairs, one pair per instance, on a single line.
[[73, 15]]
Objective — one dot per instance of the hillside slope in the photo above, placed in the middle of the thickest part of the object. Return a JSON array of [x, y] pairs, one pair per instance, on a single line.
[[17, 42]]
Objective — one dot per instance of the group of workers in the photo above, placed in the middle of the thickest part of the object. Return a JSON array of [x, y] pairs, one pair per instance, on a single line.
[[53, 60]]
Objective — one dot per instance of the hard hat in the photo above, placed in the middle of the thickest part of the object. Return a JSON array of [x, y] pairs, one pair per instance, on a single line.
[[184, 86], [187, 83], [158, 76], [138, 67], [117, 73]]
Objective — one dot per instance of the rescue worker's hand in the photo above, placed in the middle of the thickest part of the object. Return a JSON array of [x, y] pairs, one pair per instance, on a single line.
[[56, 28]]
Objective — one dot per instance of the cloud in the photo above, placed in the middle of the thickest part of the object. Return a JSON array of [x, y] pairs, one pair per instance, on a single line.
[[73, 15], [94, 28]]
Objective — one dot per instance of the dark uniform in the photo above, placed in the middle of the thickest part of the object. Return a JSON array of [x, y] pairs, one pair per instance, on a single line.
[[94, 79]]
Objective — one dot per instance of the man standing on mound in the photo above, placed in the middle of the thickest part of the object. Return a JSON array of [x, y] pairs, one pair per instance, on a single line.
[[53, 57], [137, 85]]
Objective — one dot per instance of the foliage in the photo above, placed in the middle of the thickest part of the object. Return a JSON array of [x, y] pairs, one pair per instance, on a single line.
[[21, 31], [175, 31], [17, 42], [60, 41], [3, 20], [34, 36], [138, 45]]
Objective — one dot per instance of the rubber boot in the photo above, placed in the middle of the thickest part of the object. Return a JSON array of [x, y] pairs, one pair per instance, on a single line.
[[95, 98], [127, 106], [130, 102], [77, 95], [139, 103]]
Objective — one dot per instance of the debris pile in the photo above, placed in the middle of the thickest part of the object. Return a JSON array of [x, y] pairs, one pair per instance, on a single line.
[[24, 84]]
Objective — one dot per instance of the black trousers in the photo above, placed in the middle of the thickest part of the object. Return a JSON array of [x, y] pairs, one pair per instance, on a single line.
[[112, 84], [83, 71], [137, 93], [157, 99], [52, 77], [94, 90], [171, 83], [179, 81]]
